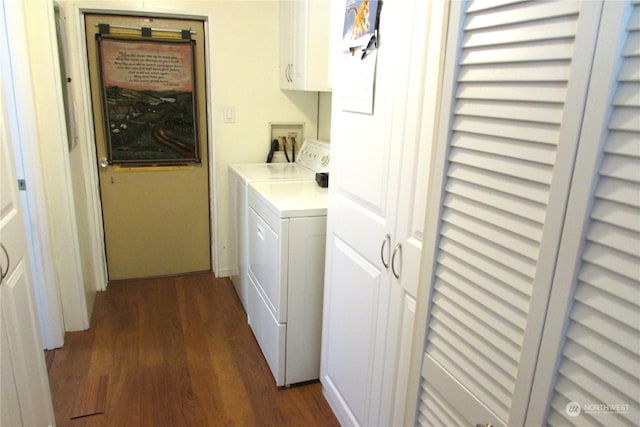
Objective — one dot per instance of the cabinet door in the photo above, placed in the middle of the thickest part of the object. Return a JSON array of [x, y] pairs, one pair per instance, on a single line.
[[365, 165], [427, 47], [287, 33], [299, 45], [515, 88]]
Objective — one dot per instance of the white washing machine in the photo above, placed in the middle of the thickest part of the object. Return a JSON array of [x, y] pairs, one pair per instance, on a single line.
[[313, 157], [287, 233]]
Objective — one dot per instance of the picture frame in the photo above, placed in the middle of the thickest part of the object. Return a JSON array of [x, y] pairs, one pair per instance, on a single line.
[[148, 89]]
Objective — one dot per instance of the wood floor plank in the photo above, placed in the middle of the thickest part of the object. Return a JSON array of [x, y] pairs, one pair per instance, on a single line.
[[178, 352], [91, 397]]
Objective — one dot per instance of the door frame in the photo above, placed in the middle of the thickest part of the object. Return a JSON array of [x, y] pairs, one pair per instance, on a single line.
[[75, 11]]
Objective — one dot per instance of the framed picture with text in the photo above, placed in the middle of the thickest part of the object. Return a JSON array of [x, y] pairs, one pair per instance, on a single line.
[[149, 103]]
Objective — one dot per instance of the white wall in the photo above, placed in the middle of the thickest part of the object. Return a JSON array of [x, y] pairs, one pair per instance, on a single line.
[[243, 73]]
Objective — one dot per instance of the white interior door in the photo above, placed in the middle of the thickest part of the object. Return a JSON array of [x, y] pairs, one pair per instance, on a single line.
[[26, 381], [590, 352], [515, 89]]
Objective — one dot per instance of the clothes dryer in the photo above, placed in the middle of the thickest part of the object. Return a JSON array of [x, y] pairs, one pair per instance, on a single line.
[[287, 233], [313, 157]]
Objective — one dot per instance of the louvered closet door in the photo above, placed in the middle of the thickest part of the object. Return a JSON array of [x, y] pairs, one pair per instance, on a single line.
[[514, 92], [598, 279]]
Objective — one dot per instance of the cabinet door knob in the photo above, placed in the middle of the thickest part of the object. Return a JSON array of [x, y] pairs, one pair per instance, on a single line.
[[396, 250], [385, 242]]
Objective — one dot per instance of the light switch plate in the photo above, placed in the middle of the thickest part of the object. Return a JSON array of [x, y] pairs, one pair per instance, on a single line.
[[229, 114]]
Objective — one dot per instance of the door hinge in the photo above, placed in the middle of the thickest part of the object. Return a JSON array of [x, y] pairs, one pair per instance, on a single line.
[[22, 185]]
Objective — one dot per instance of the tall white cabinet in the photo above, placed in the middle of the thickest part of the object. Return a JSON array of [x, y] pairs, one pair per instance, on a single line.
[[304, 45], [529, 311], [379, 179]]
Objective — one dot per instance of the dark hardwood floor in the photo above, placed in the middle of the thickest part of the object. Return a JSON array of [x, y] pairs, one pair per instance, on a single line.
[[176, 352]]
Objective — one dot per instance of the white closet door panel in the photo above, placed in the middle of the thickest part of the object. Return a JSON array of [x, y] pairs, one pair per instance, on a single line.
[[503, 192], [592, 358]]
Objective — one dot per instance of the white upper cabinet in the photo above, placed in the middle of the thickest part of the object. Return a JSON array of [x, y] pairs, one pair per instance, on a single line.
[[304, 45]]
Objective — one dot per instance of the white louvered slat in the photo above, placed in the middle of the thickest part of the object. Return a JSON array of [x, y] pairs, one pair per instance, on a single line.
[[548, 50], [435, 410], [625, 119], [548, 71], [603, 340], [538, 112], [480, 5], [509, 295], [525, 248], [511, 223], [518, 14], [562, 27], [632, 46], [630, 70], [478, 382], [515, 187], [501, 312], [513, 129], [531, 92], [621, 166], [479, 343], [615, 238], [610, 189], [492, 267], [623, 215], [518, 206], [510, 167], [611, 375], [624, 143], [628, 95], [444, 308], [480, 313]]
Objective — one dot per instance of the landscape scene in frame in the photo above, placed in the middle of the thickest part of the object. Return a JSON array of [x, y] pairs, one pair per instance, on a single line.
[[148, 94]]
